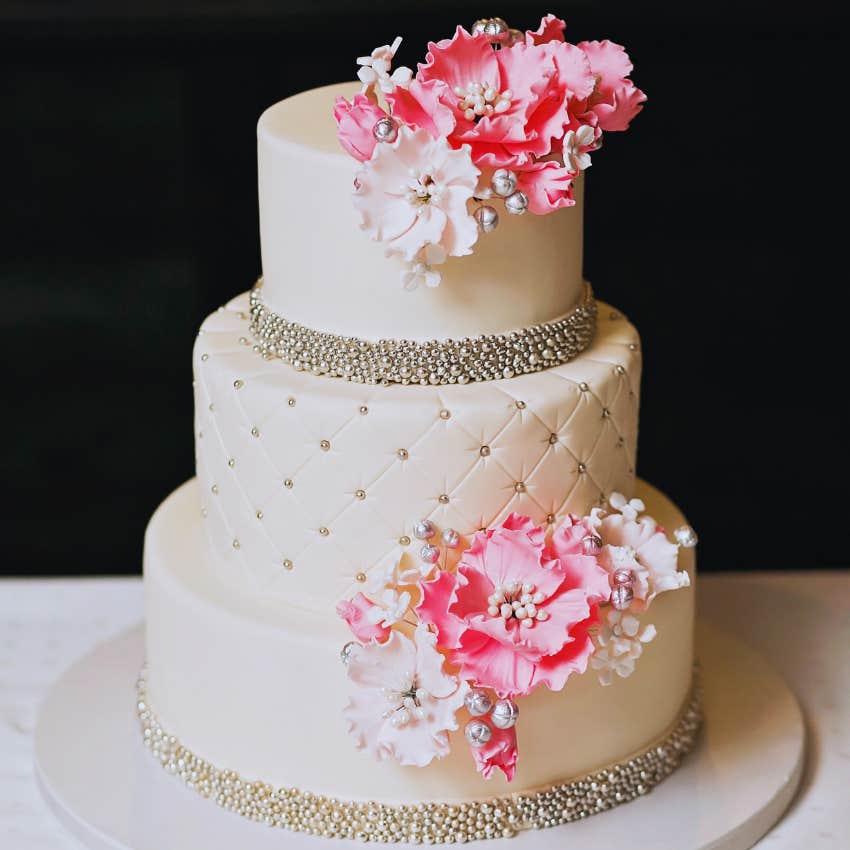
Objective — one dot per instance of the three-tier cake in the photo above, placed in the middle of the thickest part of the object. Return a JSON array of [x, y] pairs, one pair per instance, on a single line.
[[416, 591]]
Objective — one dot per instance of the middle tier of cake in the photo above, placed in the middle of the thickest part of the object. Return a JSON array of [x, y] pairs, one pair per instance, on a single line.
[[309, 484]]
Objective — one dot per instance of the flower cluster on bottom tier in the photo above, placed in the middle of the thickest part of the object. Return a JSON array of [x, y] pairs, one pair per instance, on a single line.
[[431, 823]]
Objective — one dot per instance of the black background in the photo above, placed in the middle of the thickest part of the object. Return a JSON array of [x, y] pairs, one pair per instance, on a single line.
[[129, 212]]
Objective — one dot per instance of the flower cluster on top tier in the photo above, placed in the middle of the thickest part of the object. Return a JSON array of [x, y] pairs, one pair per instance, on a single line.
[[492, 115], [473, 628]]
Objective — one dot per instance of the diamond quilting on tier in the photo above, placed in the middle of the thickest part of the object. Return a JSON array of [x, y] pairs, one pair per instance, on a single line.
[[317, 480]]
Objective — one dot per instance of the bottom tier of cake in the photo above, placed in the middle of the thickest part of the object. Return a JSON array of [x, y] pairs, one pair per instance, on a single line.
[[256, 688]]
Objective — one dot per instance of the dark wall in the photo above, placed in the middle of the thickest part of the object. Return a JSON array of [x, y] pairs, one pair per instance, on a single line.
[[129, 212]]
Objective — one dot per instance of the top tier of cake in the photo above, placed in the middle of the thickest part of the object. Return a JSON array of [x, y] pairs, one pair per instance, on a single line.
[[322, 271]]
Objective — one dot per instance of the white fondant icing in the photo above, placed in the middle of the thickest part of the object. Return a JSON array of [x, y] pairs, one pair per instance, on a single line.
[[258, 687], [321, 270]]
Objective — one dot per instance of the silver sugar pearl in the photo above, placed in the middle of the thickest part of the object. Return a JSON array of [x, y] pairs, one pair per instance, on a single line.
[[497, 31], [686, 537], [429, 554], [385, 130], [424, 529], [346, 651], [622, 596], [503, 182], [450, 538], [517, 203], [478, 702], [623, 576], [591, 545], [487, 218], [505, 714], [477, 733]]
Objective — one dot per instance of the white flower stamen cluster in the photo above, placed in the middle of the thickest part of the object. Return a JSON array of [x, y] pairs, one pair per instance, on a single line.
[[517, 601], [392, 607], [479, 99], [405, 702]]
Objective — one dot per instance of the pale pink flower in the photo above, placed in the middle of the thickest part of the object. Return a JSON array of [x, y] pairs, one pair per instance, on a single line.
[[517, 613], [404, 704], [414, 192], [357, 612], [499, 752], [354, 122], [615, 99], [634, 541]]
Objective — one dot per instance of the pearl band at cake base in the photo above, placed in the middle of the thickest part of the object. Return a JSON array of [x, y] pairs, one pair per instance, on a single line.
[[429, 823], [520, 607]]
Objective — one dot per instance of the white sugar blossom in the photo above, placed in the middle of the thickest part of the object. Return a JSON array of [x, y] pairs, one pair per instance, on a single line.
[[375, 69], [422, 272], [403, 704], [619, 645], [390, 607], [398, 571], [636, 542], [574, 141]]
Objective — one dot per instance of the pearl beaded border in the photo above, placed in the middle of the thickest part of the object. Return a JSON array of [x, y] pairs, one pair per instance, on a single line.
[[403, 361], [429, 823]]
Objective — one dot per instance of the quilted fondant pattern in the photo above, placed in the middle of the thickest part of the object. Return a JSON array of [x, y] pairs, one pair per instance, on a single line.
[[308, 483]]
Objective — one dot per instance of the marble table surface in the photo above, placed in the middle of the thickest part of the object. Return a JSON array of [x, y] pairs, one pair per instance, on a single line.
[[800, 621]]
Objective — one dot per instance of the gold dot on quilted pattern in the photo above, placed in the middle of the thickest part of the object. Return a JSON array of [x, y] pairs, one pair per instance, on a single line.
[[363, 410], [288, 483], [620, 442], [484, 451], [291, 401], [238, 384], [214, 489], [519, 487], [243, 340], [443, 499], [550, 518], [235, 543], [360, 494], [325, 445], [231, 462], [259, 514], [520, 405], [632, 346], [583, 386], [402, 454], [620, 370], [255, 431], [287, 564], [324, 531], [204, 513], [605, 413], [205, 357], [582, 468], [553, 438], [361, 577], [211, 408], [445, 414], [404, 540]]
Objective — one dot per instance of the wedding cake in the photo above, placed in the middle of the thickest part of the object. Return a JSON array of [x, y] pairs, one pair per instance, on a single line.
[[416, 591]]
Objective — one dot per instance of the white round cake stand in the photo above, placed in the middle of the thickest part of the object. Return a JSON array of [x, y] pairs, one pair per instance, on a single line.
[[108, 791]]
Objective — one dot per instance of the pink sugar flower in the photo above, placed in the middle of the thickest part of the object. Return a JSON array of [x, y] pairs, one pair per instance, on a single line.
[[615, 99], [550, 29], [359, 614], [499, 752], [403, 704], [509, 105], [354, 122], [517, 613]]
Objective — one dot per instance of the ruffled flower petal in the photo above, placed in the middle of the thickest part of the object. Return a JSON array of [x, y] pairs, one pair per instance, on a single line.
[[421, 106], [550, 29], [615, 99], [500, 752], [548, 186], [356, 612], [355, 121], [437, 598]]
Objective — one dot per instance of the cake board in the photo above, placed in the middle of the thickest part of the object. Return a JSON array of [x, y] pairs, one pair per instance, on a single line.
[[107, 790]]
